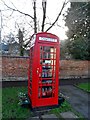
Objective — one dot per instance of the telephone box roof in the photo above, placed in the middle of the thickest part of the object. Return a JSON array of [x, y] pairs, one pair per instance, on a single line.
[[45, 37]]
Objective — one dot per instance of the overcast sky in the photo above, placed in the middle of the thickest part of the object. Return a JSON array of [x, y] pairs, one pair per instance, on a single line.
[[11, 20]]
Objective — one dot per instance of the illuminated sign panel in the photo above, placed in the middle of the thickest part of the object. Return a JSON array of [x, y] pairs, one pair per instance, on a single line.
[[48, 39]]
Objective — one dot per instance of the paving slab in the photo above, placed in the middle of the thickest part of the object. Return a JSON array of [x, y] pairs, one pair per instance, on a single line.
[[49, 116], [78, 98], [34, 118], [68, 114]]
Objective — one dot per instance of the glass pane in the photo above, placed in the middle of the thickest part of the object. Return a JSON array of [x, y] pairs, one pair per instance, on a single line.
[[53, 50], [54, 56], [47, 91], [46, 73], [47, 49], [48, 55], [47, 62]]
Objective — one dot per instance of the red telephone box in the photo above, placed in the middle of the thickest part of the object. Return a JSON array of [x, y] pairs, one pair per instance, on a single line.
[[43, 75]]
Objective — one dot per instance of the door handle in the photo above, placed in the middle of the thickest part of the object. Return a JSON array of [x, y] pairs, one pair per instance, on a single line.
[[37, 70]]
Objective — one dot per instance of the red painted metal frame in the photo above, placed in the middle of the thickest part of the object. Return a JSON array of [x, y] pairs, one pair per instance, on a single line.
[[33, 85]]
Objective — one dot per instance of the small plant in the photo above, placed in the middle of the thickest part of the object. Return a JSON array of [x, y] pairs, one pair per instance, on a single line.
[[23, 99]]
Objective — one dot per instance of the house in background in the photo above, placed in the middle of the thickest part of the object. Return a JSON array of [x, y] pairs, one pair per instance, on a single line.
[[12, 49], [4, 49], [9, 49]]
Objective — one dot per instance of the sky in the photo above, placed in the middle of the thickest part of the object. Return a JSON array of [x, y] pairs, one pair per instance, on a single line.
[[11, 21]]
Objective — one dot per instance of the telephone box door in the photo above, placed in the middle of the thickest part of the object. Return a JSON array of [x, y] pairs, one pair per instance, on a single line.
[[47, 71]]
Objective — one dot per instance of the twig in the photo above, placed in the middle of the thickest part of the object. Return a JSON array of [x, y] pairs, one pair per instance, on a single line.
[[57, 16], [17, 10]]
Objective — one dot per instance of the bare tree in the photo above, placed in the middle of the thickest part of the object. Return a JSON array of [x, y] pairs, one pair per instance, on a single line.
[[34, 18], [33, 21]]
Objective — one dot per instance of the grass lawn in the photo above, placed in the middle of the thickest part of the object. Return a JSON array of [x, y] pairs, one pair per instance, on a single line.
[[84, 86], [10, 107], [12, 110]]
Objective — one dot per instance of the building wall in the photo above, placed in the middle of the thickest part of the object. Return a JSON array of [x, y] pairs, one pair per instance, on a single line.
[[16, 68]]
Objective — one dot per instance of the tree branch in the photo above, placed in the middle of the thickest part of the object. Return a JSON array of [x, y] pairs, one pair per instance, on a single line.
[[57, 16], [17, 10], [44, 14]]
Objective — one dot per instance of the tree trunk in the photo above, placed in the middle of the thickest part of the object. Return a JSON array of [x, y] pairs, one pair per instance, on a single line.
[[35, 23], [20, 37]]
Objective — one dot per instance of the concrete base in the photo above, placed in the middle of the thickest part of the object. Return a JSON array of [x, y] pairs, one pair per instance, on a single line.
[[47, 108]]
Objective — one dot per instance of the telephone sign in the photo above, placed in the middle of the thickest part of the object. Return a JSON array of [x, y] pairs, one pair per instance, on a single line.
[[48, 39]]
